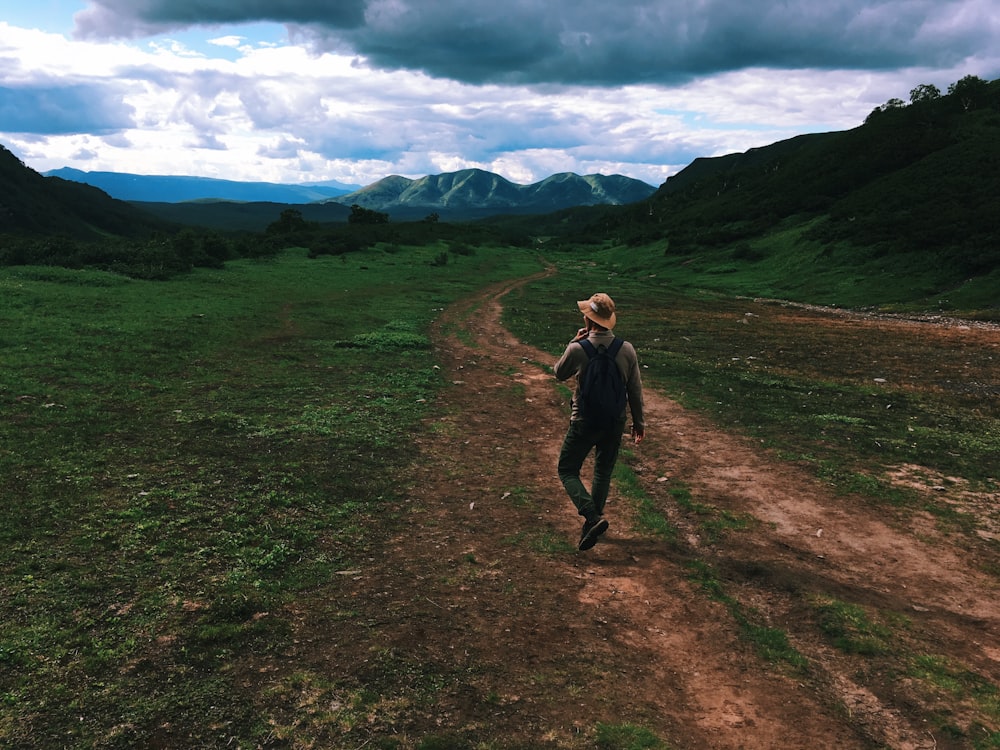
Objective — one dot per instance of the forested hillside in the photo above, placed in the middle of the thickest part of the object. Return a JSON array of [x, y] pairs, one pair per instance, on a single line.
[[920, 179], [32, 204]]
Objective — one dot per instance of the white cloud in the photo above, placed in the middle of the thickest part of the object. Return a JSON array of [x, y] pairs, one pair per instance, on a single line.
[[231, 40], [229, 104]]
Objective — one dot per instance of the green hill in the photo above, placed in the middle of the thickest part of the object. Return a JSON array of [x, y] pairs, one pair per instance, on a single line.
[[44, 206], [916, 179]]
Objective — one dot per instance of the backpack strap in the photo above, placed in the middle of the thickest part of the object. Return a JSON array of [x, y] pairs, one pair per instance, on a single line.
[[612, 349]]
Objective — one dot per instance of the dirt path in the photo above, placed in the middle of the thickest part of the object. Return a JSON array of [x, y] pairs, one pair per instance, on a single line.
[[552, 641]]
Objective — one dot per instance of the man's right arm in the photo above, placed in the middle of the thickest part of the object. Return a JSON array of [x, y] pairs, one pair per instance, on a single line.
[[568, 364]]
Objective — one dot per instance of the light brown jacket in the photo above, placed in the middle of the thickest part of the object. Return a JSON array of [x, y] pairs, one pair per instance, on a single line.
[[574, 361]]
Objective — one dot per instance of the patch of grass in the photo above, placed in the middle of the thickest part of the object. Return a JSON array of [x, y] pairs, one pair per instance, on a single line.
[[542, 541], [649, 518], [627, 737], [393, 335], [771, 644], [564, 392], [849, 481], [306, 708], [550, 543], [851, 629], [947, 687], [959, 685], [713, 522], [519, 497], [984, 739]]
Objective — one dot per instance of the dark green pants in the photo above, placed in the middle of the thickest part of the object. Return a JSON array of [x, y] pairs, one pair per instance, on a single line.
[[580, 440]]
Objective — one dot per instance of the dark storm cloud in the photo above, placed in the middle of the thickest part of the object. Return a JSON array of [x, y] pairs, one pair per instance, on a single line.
[[132, 18], [62, 110], [595, 41]]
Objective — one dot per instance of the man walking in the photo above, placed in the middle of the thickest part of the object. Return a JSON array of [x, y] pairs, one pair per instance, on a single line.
[[586, 432]]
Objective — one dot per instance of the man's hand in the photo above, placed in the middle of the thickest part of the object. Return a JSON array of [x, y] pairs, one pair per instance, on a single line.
[[581, 334], [637, 435]]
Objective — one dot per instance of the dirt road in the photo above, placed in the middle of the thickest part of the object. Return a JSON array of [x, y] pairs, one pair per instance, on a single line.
[[550, 642]]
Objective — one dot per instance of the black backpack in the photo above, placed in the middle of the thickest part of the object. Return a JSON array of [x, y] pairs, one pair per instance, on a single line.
[[602, 390]]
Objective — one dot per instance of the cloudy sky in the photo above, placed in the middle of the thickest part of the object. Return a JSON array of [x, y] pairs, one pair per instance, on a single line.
[[355, 90]]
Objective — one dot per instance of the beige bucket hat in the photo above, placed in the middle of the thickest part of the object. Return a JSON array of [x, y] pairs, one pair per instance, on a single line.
[[600, 308]]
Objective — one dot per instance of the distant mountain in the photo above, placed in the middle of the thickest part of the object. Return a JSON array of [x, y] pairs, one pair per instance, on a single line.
[[179, 189], [463, 195], [31, 204], [475, 193]]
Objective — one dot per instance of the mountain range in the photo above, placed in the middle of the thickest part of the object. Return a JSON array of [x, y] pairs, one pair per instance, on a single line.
[[179, 188], [463, 195], [475, 193]]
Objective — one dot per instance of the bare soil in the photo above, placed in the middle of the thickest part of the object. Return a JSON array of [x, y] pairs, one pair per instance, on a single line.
[[537, 643]]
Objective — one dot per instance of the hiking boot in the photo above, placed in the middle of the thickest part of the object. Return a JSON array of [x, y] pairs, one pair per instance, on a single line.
[[588, 537]]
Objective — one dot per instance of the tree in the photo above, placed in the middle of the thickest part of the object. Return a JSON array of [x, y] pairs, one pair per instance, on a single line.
[[288, 222], [970, 92], [361, 215], [925, 92], [185, 244], [891, 105], [215, 250]]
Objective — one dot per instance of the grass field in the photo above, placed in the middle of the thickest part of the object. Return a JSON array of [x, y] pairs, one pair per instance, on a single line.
[[174, 455]]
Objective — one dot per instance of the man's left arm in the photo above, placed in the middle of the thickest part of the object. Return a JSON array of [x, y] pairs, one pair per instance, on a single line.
[[634, 389]]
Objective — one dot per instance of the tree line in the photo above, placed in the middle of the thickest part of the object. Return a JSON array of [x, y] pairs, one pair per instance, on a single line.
[[966, 94], [163, 255]]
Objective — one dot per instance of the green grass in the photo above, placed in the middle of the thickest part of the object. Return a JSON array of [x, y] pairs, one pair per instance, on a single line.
[[882, 641], [627, 737], [955, 684], [769, 643], [852, 629], [785, 264], [541, 541], [713, 523], [649, 518], [174, 456]]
